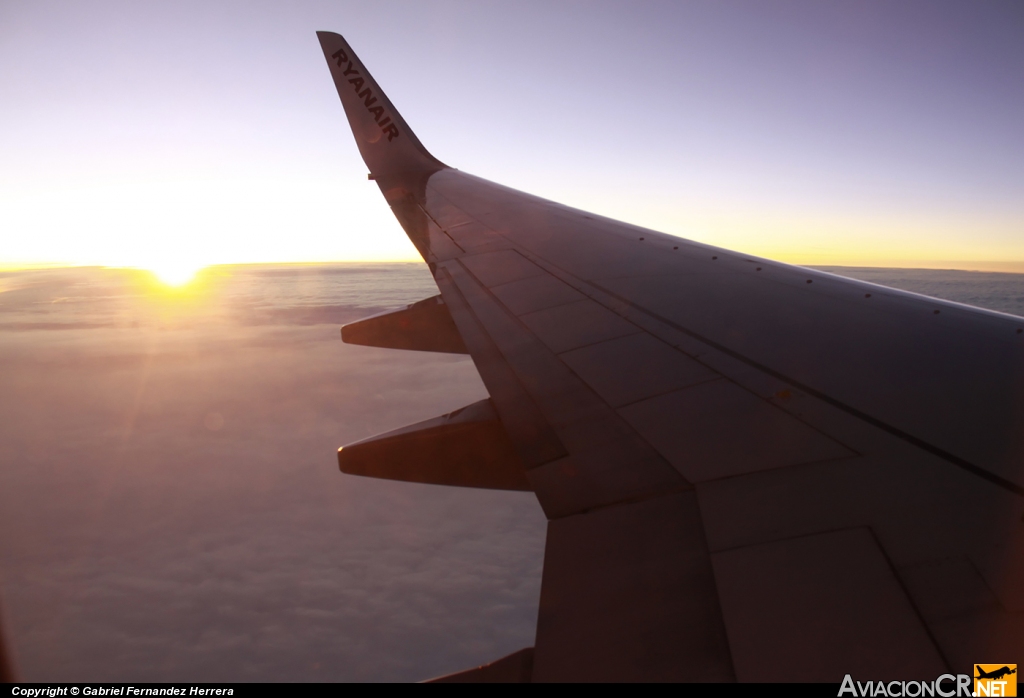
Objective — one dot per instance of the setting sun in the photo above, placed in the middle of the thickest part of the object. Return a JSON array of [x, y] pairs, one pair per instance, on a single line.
[[175, 273]]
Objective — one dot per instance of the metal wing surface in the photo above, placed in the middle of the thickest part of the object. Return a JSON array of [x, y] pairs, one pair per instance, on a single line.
[[752, 471]]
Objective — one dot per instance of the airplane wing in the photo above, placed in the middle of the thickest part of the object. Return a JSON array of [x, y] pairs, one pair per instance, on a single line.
[[752, 471]]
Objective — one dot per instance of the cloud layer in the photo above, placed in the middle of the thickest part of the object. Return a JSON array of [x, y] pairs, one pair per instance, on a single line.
[[170, 505]]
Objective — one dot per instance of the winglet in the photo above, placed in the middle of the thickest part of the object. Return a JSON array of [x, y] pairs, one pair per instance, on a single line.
[[386, 142]]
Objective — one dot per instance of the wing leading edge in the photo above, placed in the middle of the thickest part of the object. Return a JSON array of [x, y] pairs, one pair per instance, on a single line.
[[751, 471]]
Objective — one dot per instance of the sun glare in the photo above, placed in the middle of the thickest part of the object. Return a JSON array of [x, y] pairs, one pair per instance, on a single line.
[[175, 274]]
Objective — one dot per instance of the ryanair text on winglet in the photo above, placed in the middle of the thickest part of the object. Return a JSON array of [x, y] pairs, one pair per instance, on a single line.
[[369, 100]]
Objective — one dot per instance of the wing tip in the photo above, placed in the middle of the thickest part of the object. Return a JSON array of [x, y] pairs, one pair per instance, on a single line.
[[385, 140]]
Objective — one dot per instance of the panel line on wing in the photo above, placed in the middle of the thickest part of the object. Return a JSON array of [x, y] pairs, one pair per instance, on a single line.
[[626, 501], [582, 287], [536, 441], [608, 460], [821, 582], [618, 305], [440, 228], [910, 597], [849, 409]]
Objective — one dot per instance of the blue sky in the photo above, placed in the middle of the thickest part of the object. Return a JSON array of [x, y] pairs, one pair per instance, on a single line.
[[839, 133]]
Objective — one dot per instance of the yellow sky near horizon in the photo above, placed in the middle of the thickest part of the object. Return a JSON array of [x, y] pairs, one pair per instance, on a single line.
[[175, 227]]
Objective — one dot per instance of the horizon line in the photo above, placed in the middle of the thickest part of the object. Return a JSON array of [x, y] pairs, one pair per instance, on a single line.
[[1010, 267]]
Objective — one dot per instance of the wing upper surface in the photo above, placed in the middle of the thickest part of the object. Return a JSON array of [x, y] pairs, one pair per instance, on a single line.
[[805, 417], [945, 375], [737, 456]]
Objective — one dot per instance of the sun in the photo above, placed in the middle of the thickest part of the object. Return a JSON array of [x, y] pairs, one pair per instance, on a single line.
[[175, 273]]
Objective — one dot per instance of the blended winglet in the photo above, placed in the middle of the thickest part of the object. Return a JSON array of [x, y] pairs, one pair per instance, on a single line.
[[386, 142]]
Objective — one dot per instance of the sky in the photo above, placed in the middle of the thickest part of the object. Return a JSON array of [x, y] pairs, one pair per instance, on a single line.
[[182, 134]]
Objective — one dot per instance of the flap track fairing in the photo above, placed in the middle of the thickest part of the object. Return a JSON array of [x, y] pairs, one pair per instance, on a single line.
[[423, 326], [465, 448]]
